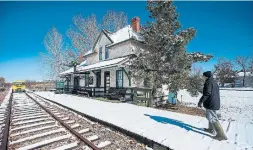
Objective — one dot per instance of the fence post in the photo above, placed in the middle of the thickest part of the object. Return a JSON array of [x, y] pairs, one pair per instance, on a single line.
[[150, 99]]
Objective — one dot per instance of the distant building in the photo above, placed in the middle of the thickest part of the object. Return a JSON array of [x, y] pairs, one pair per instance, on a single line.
[[248, 82], [41, 85]]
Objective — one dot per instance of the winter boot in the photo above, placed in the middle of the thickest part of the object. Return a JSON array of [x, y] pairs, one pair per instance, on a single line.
[[210, 129], [220, 133]]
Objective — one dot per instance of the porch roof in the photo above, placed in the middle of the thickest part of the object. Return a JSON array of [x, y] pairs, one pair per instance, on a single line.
[[100, 65], [103, 64]]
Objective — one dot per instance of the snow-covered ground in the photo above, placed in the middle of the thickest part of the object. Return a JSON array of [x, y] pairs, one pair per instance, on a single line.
[[175, 130], [238, 89], [235, 105]]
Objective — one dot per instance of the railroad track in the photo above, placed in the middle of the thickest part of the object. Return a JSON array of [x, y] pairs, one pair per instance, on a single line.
[[38, 124]]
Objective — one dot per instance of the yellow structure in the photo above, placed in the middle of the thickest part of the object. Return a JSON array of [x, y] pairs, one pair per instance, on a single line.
[[18, 86]]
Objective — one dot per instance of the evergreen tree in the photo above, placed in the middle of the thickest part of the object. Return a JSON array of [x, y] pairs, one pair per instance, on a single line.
[[164, 60]]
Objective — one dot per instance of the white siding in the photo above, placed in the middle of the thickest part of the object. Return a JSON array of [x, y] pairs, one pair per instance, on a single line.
[[94, 58], [113, 77], [72, 80], [120, 50], [81, 81]]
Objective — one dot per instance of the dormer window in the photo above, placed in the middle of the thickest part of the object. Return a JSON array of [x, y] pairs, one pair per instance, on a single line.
[[106, 53], [100, 53]]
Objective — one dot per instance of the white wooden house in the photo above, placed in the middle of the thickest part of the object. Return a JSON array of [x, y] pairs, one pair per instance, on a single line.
[[105, 65]]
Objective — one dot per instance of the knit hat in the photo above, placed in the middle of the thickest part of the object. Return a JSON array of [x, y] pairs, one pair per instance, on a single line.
[[207, 74]]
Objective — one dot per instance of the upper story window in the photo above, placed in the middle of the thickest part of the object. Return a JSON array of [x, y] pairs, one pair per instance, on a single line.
[[100, 53], [106, 53]]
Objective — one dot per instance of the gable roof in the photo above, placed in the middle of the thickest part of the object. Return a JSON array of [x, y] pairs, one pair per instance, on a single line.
[[119, 36], [124, 34]]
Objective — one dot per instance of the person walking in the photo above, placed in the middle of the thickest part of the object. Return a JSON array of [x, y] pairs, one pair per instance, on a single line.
[[211, 102]]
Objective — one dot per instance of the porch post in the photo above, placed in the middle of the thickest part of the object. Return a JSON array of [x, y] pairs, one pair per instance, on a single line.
[[127, 74]]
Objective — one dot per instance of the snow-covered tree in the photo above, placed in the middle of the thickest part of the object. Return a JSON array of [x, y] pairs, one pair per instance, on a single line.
[[243, 64], [84, 33], [164, 60], [53, 60], [113, 21], [224, 71]]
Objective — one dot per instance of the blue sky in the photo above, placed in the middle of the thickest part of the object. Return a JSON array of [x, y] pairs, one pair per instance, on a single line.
[[224, 29]]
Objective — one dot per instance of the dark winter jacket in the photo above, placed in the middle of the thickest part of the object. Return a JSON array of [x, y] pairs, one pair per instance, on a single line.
[[211, 95]]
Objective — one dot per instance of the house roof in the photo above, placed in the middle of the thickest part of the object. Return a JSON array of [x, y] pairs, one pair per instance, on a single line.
[[71, 70], [103, 64], [100, 65], [88, 53], [241, 74], [124, 34], [119, 36]]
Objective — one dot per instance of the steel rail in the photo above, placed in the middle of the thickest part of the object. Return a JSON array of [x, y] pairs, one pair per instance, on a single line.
[[86, 141], [4, 144]]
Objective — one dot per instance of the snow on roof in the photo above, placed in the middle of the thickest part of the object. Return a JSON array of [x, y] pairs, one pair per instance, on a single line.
[[69, 71], [84, 63], [99, 65], [103, 64], [124, 34], [121, 35], [88, 53], [241, 74]]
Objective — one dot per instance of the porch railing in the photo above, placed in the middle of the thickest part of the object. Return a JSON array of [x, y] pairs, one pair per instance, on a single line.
[[143, 94], [133, 93]]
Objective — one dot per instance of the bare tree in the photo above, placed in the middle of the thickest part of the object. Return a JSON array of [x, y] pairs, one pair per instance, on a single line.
[[114, 21], [2, 82], [251, 64], [224, 71], [84, 33], [243, 63], [52, 61]]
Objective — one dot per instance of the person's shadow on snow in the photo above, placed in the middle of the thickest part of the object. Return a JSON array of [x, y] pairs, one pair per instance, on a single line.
[[178, 123]]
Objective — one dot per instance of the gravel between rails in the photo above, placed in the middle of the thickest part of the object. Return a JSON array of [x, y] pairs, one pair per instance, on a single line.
[[31, 128], [118, 140], [33, 133], [24, 111]]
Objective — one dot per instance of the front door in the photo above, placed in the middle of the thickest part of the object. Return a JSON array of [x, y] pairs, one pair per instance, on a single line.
[[76, 82], [107, 81], [98, 79]]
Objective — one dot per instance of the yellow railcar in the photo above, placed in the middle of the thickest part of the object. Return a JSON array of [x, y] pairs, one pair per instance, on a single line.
[[18, 86]]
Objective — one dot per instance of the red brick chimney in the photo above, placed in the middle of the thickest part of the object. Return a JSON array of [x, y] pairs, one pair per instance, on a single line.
[[135, 24]]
